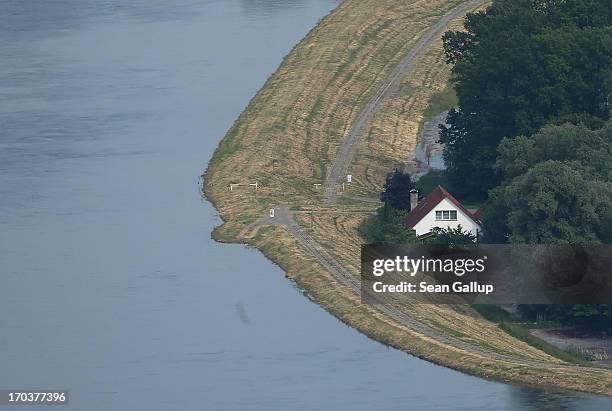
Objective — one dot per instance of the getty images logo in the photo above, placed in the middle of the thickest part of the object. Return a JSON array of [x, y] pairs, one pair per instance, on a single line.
[[412, 266]]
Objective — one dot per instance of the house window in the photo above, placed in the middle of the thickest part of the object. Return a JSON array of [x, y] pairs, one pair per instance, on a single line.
[[446, 215]]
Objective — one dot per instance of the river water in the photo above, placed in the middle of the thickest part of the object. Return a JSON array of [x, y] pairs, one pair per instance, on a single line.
[[111, 287]]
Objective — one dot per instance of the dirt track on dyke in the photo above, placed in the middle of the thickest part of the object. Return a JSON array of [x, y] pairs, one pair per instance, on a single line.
[[389, 86], [284, 217]]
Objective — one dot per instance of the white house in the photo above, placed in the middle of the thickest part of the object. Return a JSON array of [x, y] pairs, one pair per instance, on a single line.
[[440, 209]]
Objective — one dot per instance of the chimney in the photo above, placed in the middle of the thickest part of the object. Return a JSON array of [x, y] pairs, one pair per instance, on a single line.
[[414, 198]]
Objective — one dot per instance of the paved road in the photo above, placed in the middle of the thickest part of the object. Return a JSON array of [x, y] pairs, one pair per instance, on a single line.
[[389, 86]]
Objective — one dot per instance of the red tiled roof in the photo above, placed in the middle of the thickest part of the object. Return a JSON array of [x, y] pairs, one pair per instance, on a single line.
[[433, 199]]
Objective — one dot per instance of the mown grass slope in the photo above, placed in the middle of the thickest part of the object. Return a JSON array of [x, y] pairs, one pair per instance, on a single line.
[[286, 140]]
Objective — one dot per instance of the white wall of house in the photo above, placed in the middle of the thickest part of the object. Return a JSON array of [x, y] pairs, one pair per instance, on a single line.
[[428, 222]]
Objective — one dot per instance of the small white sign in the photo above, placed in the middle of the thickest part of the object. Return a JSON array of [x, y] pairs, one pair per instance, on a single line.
[[349, 178], [271, 213]]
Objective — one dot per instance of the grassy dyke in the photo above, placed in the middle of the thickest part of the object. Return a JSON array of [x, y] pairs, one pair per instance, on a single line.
[[286, 139], [293, 126]]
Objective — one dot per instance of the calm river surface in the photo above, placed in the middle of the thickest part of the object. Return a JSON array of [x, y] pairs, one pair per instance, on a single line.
[[110, 285]]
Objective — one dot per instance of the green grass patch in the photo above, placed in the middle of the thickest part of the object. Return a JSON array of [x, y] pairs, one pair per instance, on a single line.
[[521, 333], [496, 314], [439, 102]]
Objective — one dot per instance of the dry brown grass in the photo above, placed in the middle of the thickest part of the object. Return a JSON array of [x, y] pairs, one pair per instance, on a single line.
[[293, 126], [285, 139], [345, 305], [393, 131]]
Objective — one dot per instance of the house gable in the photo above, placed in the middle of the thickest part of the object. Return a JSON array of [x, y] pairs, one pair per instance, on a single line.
[[429, 222], [423, 218]]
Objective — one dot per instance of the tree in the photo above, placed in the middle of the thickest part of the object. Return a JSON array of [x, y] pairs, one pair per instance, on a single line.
[[554, 203], [579, 146], [556, 187], [397, 190]]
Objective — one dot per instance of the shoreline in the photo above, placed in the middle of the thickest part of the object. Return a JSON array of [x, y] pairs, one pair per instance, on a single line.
[[279, 246], [274, 259], [305, 292]]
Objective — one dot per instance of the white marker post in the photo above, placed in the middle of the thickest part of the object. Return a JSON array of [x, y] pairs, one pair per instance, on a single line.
[[271, 213], [342, 186]]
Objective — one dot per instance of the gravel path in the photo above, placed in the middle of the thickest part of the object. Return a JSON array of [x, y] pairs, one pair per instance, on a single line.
[[389, 87]]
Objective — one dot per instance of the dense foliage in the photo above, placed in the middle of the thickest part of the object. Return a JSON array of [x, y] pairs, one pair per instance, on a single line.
[[531, 133], [556, 188], [520, 65]]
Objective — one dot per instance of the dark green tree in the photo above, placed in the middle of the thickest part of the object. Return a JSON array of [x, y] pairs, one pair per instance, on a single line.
[[556, 187], [397, 190], [554, 203]]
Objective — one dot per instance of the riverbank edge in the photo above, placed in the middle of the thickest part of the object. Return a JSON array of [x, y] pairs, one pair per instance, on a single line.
[[532, 381], [227, 232]]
